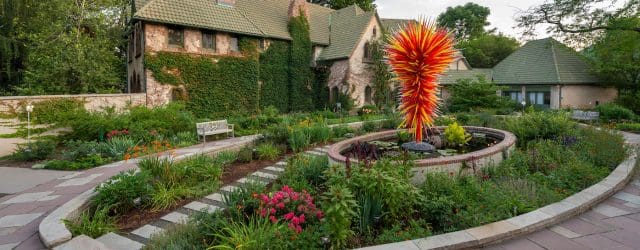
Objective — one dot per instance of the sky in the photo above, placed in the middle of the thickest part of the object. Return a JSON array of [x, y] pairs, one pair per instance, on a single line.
[[502, 15]]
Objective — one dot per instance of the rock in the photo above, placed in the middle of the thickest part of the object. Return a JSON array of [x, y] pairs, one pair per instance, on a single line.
[[419, 147], [38, 166], [479, 135], [436, 141], [349, 135]]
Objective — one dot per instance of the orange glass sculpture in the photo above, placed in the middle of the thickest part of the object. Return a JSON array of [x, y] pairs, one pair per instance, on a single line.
[[418, 53]]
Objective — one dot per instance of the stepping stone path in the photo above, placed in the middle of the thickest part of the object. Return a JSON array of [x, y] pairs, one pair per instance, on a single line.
[[612, 224], [213, 202], [21, 213]]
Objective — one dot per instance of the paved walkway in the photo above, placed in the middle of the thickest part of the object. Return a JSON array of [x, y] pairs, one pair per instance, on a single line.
[[15, 180], [21, 213], [612, 224]]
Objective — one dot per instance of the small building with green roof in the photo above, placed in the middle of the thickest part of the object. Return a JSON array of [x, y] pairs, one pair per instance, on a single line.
[[545, 73]]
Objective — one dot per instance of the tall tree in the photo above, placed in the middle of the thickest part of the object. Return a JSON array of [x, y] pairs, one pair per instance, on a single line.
[[466, 21], [13, 50], [488, 50], [579, 21], [75, 47], [616, 55]]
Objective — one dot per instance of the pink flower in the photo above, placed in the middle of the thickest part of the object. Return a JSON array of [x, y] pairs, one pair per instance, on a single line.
[[288, 216], [273, 211], [319, 214], [301, 218], [280, 205], [273, 219]]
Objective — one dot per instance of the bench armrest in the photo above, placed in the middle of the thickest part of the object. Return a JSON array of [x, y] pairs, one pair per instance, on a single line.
[[230, 126]]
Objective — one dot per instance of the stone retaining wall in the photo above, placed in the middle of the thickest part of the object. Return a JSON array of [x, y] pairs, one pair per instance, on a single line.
[[452, 164], [93, 102]]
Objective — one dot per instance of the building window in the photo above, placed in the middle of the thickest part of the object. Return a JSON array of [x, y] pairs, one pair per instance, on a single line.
[[368, 55], [233, 44], [514, 95], [375, 32], [367, 95], [208, 40], [262, 43], [138, 39], [539, 98], [176, 36]]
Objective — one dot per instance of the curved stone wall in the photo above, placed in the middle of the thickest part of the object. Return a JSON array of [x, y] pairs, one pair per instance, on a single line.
[[451, 164]]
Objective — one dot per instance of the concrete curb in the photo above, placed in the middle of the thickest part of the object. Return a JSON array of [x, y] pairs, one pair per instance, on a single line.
[[54, 232], [526, 223]]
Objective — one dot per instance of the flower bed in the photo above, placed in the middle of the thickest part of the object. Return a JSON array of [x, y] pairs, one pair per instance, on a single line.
[[375, 203]]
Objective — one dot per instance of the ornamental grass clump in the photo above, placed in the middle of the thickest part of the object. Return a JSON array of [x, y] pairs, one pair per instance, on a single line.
[[418, 54]]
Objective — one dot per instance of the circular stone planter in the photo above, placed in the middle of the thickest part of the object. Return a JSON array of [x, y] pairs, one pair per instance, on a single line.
[[450, 164]]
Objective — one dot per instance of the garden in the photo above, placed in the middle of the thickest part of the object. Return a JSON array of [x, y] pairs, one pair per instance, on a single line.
[[91, 139], [315, 205]]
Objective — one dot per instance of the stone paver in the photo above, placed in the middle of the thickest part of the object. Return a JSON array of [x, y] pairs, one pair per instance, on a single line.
[[198, 206], [117, 242], [177, 218], [22, 211], [18, 220], [612, 224], [147, 231]]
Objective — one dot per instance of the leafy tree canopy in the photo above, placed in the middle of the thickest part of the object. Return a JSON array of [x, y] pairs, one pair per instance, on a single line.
[[616, 55], [578, 21], [488, 50], [366, 5], [469, 95], [466, 21]]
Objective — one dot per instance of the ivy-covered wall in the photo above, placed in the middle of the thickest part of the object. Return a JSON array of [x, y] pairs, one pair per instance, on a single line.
[[301, 77], [274, 75], [217, 87], [222, 86]]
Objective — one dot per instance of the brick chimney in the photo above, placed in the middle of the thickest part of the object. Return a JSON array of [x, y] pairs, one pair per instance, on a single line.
[[229, 3], [296, 6]]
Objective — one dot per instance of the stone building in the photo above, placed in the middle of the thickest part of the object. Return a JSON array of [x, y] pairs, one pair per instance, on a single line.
[[213, 27], [542, 72]]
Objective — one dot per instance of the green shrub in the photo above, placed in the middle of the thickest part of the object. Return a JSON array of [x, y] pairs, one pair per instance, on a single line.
[[267, 151], [299, 139], [629, 127], [469, 95], [86, 162], [629, 99], [164, 196], [92, 223], [614, 112], [304, 172], [245, 154], [278, 134], [414, 230], [123, 192], [36, 150], [539, 125], [456, 135], [341, 130], [184, 139], [339, 205], [369, 126], [55, 111], [185, 236], [319, 133]]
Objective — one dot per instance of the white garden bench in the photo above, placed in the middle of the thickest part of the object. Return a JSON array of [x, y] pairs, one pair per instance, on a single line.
[[585, 116], [214, 128]]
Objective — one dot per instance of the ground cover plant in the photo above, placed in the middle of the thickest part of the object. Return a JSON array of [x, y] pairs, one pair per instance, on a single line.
[[160, 184], [375, 202]]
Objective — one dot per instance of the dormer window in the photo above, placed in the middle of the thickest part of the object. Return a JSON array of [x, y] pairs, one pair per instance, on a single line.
[[176, 36]]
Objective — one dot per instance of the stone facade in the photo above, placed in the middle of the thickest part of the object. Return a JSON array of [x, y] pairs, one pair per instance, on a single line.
[[92, 102], [353, 76]]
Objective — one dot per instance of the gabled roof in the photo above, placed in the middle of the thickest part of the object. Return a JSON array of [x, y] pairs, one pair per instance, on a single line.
[[262, 18], [392, 24], [452, 76], [544, 61], [347, 27]]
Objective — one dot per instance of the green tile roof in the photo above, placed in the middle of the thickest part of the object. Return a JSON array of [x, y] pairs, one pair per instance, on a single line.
[[347, 26], [393, 24], [452, 76], [263, 18], [544, 61]]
